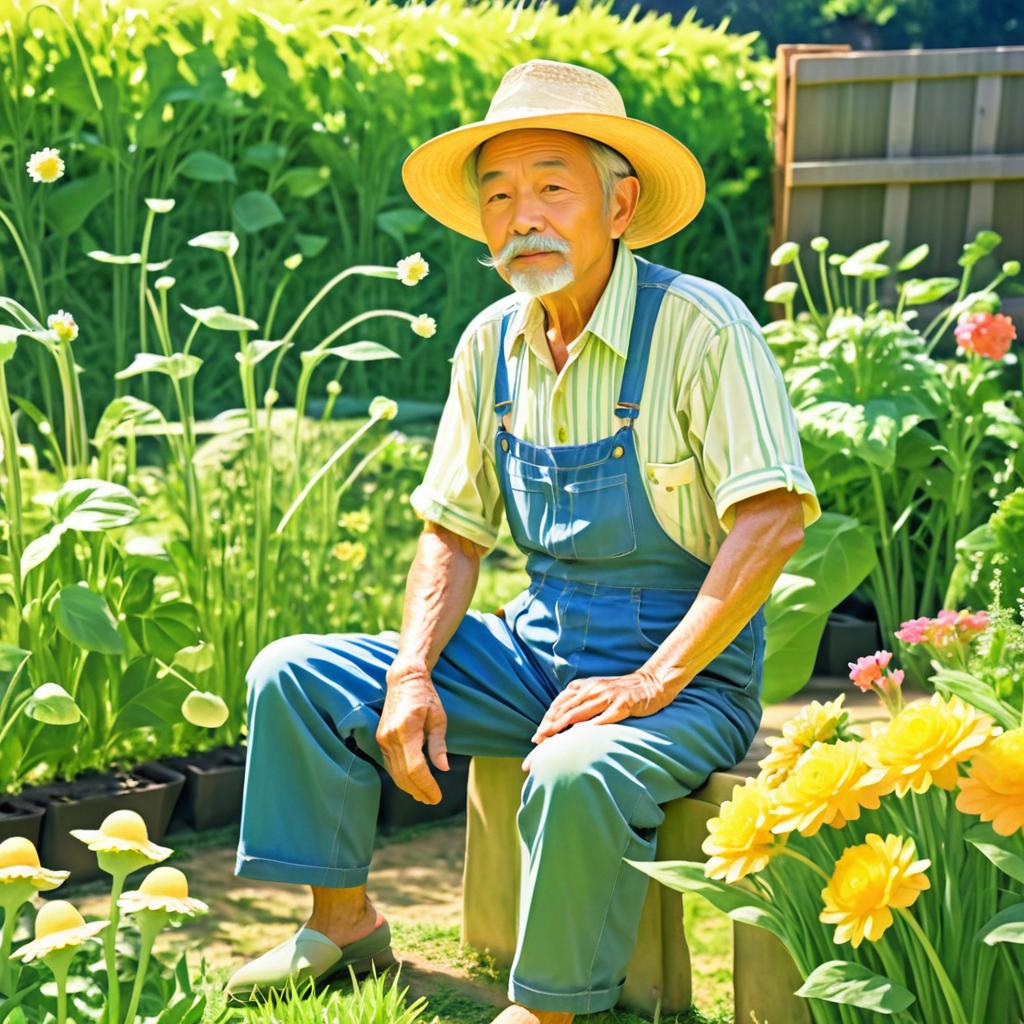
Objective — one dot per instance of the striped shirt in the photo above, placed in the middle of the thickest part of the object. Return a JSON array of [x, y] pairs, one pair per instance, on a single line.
[[715, 424]]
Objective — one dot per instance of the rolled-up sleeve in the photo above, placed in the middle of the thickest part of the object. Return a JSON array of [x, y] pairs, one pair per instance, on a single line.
[[742, 423], [459, 490]]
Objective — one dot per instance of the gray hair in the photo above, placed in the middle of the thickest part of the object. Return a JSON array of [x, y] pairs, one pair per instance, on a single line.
[[609, 163]]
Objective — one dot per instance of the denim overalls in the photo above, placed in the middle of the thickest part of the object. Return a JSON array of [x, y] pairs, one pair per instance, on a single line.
[[607, 586]]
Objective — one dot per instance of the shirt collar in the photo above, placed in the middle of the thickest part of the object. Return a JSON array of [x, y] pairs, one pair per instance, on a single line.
[[610, 321]]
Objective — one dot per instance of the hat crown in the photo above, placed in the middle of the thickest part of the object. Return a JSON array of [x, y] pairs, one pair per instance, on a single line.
[[553, 87]]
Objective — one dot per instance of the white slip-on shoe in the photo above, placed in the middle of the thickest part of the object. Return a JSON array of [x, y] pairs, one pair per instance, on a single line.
[[310, 954]]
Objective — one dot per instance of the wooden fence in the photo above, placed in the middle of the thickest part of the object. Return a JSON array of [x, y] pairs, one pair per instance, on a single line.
[[909, 145]]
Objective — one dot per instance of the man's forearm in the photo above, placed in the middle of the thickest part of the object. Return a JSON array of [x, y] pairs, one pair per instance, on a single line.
[[439, 588], [739, 581]]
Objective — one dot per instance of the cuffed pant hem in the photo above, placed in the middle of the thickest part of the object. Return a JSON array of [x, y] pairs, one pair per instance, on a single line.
[[590, 1001], [267, 870]]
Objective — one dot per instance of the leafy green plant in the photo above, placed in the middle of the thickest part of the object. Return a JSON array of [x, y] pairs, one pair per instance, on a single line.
[[911, 446]]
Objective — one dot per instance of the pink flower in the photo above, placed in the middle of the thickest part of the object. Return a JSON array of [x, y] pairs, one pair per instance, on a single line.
[[871, 674], [988, 334], [868, 670]]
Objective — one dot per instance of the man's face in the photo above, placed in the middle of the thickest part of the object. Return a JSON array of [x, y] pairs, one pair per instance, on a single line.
[[539, 190]]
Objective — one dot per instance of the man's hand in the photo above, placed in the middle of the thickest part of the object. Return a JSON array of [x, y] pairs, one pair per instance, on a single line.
[[412, 712], [601, 700]]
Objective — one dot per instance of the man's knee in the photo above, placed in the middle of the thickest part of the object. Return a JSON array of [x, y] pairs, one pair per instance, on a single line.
[[276, 659]]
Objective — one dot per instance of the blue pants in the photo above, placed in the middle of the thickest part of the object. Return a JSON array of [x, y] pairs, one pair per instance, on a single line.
[[592, 797]]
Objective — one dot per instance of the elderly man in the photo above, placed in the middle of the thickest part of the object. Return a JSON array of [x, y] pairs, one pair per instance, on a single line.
[[631, 424]]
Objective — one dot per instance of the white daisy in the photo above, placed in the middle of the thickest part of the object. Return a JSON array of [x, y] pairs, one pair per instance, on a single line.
[[425, 326], [62, 325], [412, 269], [45, 165]]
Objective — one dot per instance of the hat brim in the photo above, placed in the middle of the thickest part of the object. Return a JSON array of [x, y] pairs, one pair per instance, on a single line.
[[672, 184]]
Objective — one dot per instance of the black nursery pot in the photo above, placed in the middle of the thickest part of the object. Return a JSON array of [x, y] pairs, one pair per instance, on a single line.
[[212, 795], [20, 817], [398, 809], [846, 638], [151, 789]]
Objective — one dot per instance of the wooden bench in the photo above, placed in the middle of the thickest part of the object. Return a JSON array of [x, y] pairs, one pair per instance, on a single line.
[[764, 975]]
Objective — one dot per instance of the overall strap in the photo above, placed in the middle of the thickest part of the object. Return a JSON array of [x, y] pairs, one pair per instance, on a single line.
[[502, 402], [652, 280]]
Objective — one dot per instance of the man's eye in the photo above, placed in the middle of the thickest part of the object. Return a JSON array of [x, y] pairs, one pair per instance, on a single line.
[[552, 186]]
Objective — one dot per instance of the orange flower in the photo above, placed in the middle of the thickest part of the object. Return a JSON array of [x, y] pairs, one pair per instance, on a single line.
[[994, 787], [988, 334]]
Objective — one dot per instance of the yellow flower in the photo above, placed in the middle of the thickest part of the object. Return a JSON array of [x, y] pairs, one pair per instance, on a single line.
[[994, 787], [164, 889], [813, 723], [352, 551], [926, 741], [425, 326], [19, 862], [740, 841], [45, 165], [412, 269], [358, 520], [868, 881], [122, 843], [829, 785], [58, 926], [62, 325]]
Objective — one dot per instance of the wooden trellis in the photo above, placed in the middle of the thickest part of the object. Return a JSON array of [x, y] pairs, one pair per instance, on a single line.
[[910, 145]]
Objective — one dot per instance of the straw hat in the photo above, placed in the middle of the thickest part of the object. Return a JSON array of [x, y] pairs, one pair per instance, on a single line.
[[567, 97]]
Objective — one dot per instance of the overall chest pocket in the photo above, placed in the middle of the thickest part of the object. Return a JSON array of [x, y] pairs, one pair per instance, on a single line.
[[570, 518], [600, 517]]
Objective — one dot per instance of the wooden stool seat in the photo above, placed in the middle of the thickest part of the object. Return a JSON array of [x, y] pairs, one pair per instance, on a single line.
[[764, 975]]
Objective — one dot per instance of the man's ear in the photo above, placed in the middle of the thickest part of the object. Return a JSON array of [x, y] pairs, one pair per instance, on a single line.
[[624, 202]]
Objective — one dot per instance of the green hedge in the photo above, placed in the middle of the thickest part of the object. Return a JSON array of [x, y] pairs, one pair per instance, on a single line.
[[293, 134]]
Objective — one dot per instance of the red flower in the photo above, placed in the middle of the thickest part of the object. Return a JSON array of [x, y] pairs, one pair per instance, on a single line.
[[988, 334]]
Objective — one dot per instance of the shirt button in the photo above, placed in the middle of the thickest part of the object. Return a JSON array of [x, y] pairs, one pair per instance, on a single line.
[[617, 451], [650, 474], [563, 434], [504, 444]]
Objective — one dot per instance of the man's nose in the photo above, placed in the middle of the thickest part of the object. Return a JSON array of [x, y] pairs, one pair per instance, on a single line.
[[527, 214]]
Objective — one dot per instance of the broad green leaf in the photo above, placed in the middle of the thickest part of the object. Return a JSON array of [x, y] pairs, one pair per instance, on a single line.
[[256, 211], [84, 618], [147, 701], [1006, 926], [311, 245], [1006, 852], [869, 253], [70, 205], [688, 876], [166, 630], [931, 289], [265, 155], [121, 415], [362, 351], [41, 548], [94, 505], [852, 984], [399, 224], [202, 165], [912, 258], [217, 318], [11, 658], [179, 366], [53, 705], [258, 350], [195, 658], [304, 182]]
